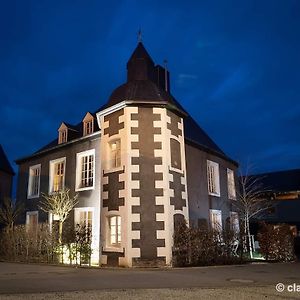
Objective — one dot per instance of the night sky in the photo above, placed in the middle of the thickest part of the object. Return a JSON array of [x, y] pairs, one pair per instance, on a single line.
[[235, 67]]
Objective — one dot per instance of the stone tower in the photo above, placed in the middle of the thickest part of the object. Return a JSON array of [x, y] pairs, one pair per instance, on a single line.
[[143, 167]]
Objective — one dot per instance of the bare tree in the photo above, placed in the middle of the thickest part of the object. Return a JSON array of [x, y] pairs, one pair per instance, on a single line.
[[59, 204], [251, 202], [9, 212]]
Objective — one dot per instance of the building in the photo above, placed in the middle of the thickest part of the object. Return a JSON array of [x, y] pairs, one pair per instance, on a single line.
[[6, 176], [283, 188], [140, 165]]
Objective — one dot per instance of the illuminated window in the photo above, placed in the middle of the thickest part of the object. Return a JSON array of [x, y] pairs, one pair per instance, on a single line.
[[231, 184], [216, 219], [88, 124], [88, 127], [34, 181], [86, 218], [32, 219], [85, 170], [115, 154], [115, 230], [213, 178], [83, 216], [234, 221], [57, 175], [62, 137]]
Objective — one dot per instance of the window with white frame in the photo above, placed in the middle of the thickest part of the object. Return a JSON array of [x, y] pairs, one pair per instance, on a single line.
[[115, 154], [57, 174], [84, 218], [88, 127], [114, 223], [85, 170], [32, 219], [231, 185], [216, 219], [62, 136], [34, 181], [234, 222], [213, 178]]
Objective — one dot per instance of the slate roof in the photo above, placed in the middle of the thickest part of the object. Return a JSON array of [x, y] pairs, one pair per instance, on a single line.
[[4, 163], [140, 52], [78, 128], [281, 181], [139, 90]]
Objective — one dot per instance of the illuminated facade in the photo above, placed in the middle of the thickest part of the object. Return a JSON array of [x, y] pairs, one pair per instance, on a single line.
[[140, 165]]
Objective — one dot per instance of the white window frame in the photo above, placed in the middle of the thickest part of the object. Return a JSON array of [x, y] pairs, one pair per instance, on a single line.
[[51, 173], [114, 157], [216, 225], [213, 178], [117, 231], [234, 221], [31, 175], [231, 185], [79, 157], [79, 210], [31, 213]]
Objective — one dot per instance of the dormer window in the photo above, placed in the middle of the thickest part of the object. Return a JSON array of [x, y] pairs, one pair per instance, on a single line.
[[88, 127], [88, 124], [62, 134]]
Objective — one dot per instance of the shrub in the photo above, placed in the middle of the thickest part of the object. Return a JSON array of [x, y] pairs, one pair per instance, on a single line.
[[276, 242], [41, 245], [203, 246]]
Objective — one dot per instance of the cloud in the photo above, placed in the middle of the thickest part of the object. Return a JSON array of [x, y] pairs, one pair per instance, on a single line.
[[238, 79], [186, 79]]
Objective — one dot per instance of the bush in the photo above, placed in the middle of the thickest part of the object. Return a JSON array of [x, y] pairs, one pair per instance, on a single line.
[[276, 242], [41, 245], [204, 246], [20, 244]]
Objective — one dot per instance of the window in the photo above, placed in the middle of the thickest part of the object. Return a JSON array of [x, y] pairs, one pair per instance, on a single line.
[[57, 175], [84, 218], [216, 219], [175, 154], [85, 170], [231, 184], [34, 181], [234, 222], [88, 127], [115, 154], [213, 178], [32, 218], [88, 124], [115, 230], [62, 137]]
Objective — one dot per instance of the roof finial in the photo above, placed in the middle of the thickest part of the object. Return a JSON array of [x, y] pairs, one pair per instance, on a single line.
[[140, 35], [165, 64]]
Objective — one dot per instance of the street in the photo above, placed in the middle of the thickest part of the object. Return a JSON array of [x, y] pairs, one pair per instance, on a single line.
[[28, 279]]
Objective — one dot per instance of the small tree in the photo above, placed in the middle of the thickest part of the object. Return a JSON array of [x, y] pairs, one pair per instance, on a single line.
[[251, 202], [59, 204], [9, 212]]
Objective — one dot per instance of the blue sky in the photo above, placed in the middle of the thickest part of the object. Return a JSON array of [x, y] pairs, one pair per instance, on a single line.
[[235, 66]]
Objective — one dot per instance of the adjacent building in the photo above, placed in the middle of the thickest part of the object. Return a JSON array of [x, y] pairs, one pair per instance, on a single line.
[[283, 188], [6, 176], [140, 165]]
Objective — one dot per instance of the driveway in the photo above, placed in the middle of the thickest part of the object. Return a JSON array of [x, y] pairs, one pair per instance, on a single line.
[[31, 279]]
